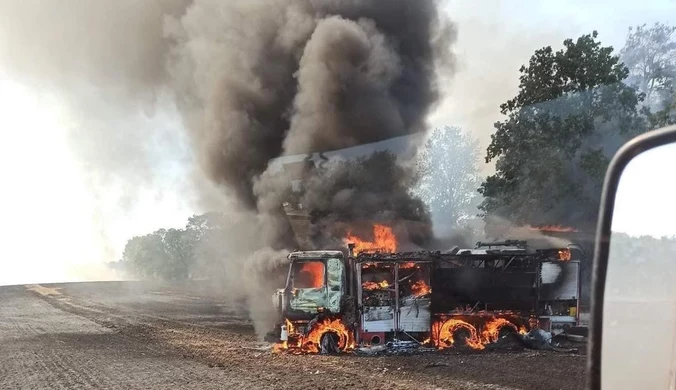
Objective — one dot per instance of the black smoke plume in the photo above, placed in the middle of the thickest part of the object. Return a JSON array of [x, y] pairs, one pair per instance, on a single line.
[[260, 80]]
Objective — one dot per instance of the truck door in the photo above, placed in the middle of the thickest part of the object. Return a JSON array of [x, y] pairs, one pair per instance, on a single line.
[[335, 272], [308, 286], [414, 297], [376, 297]]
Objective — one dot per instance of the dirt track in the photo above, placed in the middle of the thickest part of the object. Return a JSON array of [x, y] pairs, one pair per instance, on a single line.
[[126, 335]]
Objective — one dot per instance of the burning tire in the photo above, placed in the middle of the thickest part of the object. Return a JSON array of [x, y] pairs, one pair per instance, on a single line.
[[461, 336], [328, 335], [323, 335], [497, 328], [328, 343], [456, 330], [506, 331]]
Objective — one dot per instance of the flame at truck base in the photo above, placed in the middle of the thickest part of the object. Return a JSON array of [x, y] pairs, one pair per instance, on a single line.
[[446, 330], [310, 341]]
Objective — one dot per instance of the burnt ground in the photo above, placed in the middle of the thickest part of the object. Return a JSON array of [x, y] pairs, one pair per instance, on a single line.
[[132, 335]]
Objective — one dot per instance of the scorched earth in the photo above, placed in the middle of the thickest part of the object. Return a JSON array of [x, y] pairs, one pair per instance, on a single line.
[[133, 335]]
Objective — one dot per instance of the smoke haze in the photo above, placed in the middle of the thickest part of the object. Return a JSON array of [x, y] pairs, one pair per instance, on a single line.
[[250, 80]]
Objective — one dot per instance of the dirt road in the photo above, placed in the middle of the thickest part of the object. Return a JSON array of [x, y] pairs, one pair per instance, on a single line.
[[129, 335]]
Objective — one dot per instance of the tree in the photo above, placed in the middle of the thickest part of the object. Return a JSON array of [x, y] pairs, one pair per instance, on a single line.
[[650, 55], [179, 251], [663, 117], [571, 114], [208, 233], [449, 177], [143, 256], [196, 251], [163, 254]]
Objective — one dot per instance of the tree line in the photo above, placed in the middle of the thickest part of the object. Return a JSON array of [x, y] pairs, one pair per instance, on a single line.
[[175, 254]]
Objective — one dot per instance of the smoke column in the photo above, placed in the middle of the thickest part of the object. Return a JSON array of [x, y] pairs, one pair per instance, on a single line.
[[262, 79], [257, 80]]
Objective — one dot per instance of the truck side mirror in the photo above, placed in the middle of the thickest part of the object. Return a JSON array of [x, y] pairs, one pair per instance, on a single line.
[[633, 320]]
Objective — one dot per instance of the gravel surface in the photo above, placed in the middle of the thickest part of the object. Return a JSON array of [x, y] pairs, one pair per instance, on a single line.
[[132, 335]]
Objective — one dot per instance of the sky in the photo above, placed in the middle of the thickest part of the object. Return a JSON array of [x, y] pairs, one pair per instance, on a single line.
[[644, 204], [56, 229]]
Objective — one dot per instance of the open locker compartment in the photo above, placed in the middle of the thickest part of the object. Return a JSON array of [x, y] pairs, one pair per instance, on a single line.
[[394, 297]]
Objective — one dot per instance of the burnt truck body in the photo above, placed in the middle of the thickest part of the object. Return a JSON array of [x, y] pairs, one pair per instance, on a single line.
[[472, 295]]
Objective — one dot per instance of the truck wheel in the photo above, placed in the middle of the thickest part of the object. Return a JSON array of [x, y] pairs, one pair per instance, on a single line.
[[328, 343]]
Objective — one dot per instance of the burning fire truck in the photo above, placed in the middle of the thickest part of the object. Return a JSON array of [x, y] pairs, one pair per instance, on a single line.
[[334, 302]]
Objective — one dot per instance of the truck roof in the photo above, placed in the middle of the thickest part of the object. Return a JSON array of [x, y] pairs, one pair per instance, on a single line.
[[315, 254], [465, 254]]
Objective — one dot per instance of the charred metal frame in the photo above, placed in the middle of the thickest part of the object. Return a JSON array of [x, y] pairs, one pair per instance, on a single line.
[[512, 261], [519, 268]]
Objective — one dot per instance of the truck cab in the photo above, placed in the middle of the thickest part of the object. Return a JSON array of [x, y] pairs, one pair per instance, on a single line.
[[315, 284]]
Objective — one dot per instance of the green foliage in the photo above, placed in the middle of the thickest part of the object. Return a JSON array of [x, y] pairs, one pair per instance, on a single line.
[[650, 55], [174, 253], [663, 117], [149, 257], [570, 115], [448, 176], [208, 232]]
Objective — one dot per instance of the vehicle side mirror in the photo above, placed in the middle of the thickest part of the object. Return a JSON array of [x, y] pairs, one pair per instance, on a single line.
[[633, 320]]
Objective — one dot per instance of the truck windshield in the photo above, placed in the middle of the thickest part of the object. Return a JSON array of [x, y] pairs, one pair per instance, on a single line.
[[308, 274]]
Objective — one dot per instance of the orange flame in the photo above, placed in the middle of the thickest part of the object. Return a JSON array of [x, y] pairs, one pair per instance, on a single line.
[[420, 288], [345, 337], [443, 332], [384, 241], [310, 343], [370, 286], [491, 331], [565, 255], [284, 345], [407, 265], [554, 228], [280, 347], [315, 271]]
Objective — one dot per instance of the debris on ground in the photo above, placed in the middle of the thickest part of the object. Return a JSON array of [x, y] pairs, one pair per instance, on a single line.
[[395, 347], [537, 339]]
